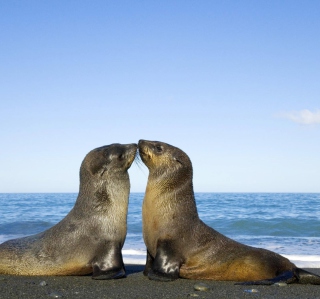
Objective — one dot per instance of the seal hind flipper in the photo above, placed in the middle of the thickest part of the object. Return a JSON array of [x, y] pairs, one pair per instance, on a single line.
[[166, 264], [287, 277], [296, 276], [305, 277], [109, 265]]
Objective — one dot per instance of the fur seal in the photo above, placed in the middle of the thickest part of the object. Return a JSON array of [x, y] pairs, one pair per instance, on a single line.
[[179, 244], [90, 238]]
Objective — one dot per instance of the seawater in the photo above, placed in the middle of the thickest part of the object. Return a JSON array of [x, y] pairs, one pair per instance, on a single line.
[[287, 223]]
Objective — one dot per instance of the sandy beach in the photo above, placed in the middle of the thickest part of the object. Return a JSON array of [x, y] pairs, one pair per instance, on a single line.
[[135, 285]]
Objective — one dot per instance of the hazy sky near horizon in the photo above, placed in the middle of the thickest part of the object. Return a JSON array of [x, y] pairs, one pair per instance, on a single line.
[[235, 84]]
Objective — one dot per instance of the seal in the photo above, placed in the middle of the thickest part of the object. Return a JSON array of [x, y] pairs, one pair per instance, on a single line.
[[90, 238], [179, 244]]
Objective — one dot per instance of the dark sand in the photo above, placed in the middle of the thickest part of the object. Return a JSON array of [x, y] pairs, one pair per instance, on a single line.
[[138, 286]]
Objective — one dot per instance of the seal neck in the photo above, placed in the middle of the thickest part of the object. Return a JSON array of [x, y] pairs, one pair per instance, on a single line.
[[178, 195], [104, 195]]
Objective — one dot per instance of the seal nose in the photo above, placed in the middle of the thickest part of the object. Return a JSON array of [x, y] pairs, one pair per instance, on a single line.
[[141, 143], [131, 149], [132, 145]]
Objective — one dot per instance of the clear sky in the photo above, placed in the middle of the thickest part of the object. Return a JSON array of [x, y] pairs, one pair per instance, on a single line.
[[235, 84]]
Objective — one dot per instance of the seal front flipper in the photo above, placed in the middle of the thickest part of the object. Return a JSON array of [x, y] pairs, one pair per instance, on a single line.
[[148, 266], [112, 273], [166, 264], [109, 265]]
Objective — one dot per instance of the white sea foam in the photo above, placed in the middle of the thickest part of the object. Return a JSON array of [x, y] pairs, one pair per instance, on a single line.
[[134, 256], [304, 261], [134, 252], [133, 261]]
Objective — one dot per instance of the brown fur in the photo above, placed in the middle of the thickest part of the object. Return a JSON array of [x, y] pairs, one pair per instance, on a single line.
[[170, 215]]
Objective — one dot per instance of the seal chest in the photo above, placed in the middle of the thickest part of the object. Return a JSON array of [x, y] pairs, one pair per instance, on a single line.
[[90, 238]]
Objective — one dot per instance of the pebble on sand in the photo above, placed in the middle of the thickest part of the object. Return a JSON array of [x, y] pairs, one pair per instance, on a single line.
[[55, 295], [200, 286], [43, 283]]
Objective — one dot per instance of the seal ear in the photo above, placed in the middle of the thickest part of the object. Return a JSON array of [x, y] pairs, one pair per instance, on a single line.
[[178, 160], [178, 156], [96, 165]]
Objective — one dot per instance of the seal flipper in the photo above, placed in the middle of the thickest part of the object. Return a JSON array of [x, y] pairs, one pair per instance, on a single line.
[[109, 265], [166, 264], [305, 277], [296, 276], [113, 273], [148, 265], [287, 277]]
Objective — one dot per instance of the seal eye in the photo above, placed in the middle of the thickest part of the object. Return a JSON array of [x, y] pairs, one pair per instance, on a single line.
[[120, 157], [158, 148]]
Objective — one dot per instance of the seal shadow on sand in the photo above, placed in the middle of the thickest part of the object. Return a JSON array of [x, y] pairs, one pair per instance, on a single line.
[[132, 269]]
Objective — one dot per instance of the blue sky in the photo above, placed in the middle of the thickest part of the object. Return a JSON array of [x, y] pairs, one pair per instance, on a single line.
[[235, 84]]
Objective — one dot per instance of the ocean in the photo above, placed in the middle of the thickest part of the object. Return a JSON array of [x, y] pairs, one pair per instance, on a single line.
[[286, 223]]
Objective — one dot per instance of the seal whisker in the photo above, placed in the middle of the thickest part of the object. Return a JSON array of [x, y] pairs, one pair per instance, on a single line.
[[138, 161]]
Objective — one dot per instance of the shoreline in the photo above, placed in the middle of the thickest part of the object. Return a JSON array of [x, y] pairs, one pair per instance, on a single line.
[[136, 285]]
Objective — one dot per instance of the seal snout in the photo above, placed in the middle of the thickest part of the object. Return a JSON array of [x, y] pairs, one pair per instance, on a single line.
[[130, 153], [133, 145], [132, 148], [142, 146], [144, 151]]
